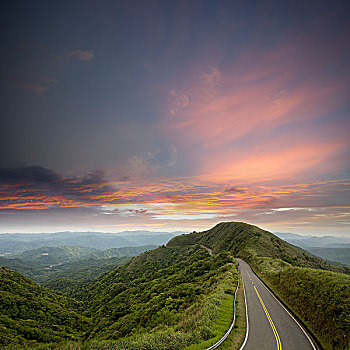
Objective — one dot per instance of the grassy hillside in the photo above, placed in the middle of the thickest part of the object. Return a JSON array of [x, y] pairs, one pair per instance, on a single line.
[[251, 242], [320, 298], [153, 290], [301, 279], [30, 313], [170, 297], [176, 296], [119, 252]]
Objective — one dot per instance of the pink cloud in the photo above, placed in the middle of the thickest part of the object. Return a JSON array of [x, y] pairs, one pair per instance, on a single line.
[[248, 127]]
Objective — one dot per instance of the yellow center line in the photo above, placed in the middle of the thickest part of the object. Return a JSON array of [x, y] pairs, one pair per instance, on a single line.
[[278, 341]]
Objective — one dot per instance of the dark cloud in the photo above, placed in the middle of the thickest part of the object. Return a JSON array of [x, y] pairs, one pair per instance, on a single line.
[[28, 174], [40, 181], [234, 190], [124, 178]]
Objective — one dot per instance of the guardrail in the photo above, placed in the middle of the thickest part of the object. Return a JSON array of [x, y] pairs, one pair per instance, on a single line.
[[219, 342]]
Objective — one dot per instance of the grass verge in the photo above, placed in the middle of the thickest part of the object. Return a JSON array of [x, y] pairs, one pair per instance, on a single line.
[[236, 338], [221, 325], [321, 299]]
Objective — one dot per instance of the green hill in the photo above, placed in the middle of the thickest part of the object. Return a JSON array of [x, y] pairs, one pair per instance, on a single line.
[[316, 290], [30, 313], [119, 252], [169, 297], [71, 276], [251, 243], [69, 267], [54, 255], [155, 289]]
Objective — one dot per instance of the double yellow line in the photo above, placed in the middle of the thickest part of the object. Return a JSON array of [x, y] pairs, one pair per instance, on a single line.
[[278, 341]]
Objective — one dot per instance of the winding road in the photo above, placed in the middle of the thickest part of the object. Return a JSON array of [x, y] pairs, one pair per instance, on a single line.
[[270, 325]]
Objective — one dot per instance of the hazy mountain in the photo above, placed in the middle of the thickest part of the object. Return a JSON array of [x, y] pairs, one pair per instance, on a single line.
[[314, 241], [19, 242], [327, 247], [54, 255], [61, 267], [341, 255]]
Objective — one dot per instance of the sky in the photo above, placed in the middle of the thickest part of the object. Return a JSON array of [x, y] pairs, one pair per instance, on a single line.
[[175, 115]]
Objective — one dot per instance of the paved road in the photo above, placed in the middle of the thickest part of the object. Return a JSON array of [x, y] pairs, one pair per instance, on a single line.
[[270, 325]]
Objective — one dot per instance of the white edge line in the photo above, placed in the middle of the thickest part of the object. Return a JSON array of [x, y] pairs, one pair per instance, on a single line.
[[307, 336], [246, 317]]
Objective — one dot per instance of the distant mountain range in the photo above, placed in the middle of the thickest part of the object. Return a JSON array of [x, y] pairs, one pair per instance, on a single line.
[[61, 268], [327, 247], [15, 243], [315, 241]]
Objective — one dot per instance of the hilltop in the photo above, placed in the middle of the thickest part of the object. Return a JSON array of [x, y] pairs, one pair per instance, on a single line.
[[252, 244]]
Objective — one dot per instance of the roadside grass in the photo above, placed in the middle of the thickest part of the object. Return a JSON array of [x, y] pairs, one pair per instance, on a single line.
[[236, 338], [220, 326], [321, 299]]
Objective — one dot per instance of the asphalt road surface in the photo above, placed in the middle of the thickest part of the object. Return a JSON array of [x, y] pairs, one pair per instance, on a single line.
[[270, 326]]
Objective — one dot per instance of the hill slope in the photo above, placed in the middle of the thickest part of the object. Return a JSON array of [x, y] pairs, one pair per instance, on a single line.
[[54, 255], [64, 268], [295, 275], [169, 297], [29, 312], [251, 243], [154, 289]]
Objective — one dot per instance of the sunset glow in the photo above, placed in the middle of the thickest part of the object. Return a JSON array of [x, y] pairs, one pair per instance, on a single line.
[[177, 119]]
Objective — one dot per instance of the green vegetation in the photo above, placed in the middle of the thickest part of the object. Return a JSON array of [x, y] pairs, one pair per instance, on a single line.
[[68, 268], [236, 338], [250, 242], [120, 252], [174, 297], [320, 298], [156, 289], [170, 297], [318, 292], [69, 277], [30, 313], [54, 255]]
